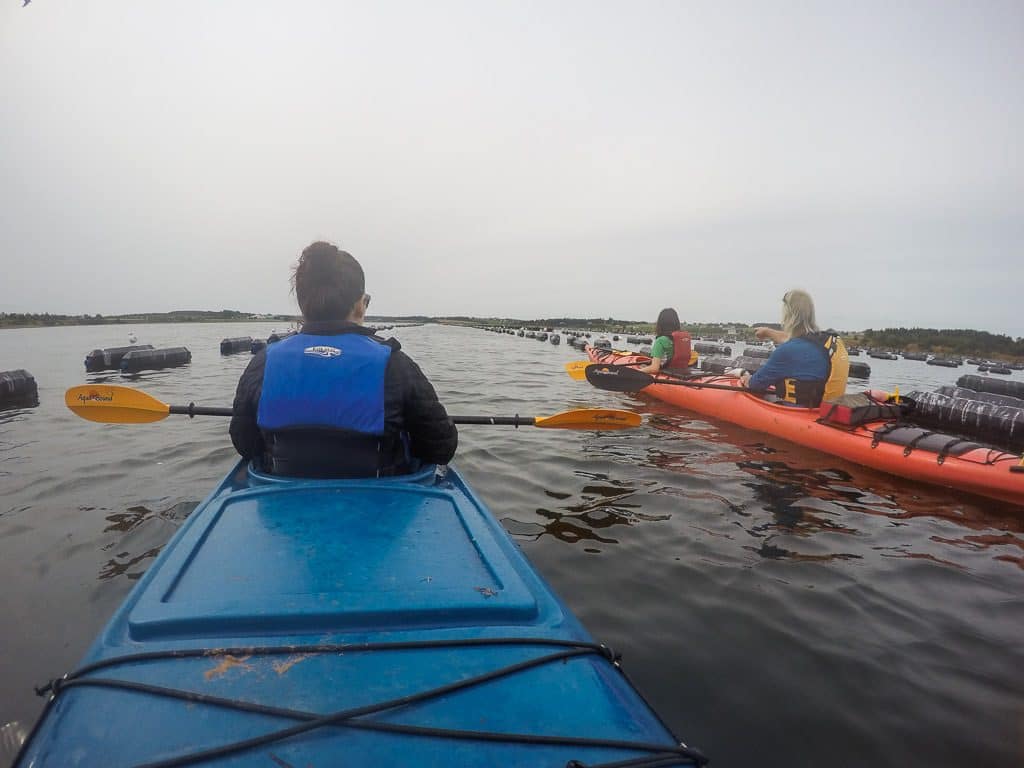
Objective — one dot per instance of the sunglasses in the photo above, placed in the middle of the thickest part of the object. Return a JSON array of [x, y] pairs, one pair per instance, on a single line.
[[366, 299]]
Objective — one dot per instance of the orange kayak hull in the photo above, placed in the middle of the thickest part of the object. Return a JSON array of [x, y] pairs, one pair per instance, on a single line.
[[982, 471]]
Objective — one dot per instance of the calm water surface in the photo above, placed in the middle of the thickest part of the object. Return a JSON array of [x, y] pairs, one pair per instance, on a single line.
[[777, 606]]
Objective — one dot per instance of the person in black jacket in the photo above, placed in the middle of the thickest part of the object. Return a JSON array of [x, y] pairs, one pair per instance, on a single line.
[[335, 400]]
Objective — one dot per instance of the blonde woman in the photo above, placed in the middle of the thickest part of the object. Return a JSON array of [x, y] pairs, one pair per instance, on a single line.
[[808, 364]]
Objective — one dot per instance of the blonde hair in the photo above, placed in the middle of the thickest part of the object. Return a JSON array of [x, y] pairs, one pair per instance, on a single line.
[[798, 314]]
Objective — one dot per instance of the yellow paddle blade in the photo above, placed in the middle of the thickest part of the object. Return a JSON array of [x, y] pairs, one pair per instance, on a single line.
[[111, 404], [577, 369], [590, 418]]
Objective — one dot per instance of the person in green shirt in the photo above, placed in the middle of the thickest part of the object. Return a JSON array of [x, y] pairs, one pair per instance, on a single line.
[[671, 348]]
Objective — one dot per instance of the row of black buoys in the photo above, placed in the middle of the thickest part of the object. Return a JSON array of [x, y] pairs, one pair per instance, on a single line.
[[945, 362], [717, 364], [235, 344], [995, 386], [994, 368], [639, 340], [707, 348], [110, 359], [602, 344], [18, 387], [139, 357], [995, 418], [150, 359], [763, 352], [257, 345], [915, 356], [853, 351], [542, 336], [881, 354]]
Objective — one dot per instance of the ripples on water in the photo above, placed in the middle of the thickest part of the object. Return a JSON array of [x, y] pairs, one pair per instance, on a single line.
[[777, 606]]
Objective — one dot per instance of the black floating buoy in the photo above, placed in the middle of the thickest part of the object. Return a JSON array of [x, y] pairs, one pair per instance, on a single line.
[[257, 345], [235, 344], [860, 370], [995, 386], [18, 388], [603, 344], [999, 423], [542, 336], [151, 359], [555, 339], [717, 364], [110, 358], [762, 352], [706, 348], [276, 337]]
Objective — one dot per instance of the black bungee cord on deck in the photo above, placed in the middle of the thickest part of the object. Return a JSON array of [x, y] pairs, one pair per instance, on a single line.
[[661, 755]]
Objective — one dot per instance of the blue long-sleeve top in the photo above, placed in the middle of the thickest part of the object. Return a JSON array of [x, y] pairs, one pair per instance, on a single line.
[[800, 358]]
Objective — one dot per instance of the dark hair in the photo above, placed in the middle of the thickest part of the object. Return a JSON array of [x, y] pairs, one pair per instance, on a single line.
[[327, 282], [668, 321]]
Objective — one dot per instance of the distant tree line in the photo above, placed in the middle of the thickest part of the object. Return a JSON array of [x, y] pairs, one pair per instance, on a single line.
[[31, 320], [958, 341]]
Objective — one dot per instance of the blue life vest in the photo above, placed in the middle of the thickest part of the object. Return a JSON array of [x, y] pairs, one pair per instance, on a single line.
[[324, 382]]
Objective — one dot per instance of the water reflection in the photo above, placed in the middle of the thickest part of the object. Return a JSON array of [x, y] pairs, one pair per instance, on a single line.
[[12, 736], [14, 407], [600, 504], [793, 494], [139, 543]]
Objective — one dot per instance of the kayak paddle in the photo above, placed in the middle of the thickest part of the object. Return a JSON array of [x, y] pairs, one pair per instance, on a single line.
[[577, 370], [113, 404], [619, 378]]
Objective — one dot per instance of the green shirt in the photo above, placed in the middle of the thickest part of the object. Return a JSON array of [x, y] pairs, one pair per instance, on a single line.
[[662, 348]]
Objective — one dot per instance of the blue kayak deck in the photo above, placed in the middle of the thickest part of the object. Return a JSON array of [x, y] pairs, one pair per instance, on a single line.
[[269, 595], [333, 558]]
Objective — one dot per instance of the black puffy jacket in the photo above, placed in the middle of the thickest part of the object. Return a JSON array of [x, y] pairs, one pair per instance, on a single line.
[[410, 407]]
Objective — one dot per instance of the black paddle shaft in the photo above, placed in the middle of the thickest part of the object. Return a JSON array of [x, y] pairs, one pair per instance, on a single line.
[[512, 421], [192, 409]]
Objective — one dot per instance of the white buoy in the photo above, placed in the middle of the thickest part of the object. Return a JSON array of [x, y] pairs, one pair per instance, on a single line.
[[131, 337]]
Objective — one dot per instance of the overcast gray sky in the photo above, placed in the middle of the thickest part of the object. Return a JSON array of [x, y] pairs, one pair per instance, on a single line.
[[526, 159]]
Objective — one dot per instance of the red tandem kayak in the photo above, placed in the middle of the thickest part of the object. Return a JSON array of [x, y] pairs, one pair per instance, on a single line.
[[900, 449]]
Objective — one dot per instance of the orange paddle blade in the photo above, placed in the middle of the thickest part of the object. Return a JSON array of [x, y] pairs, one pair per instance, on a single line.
[[112, 404], [590, 418]]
